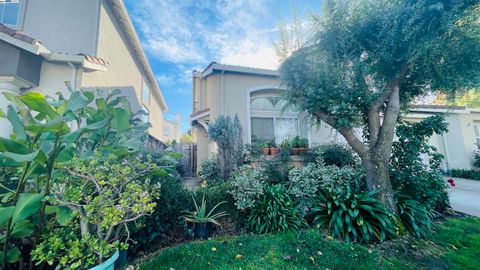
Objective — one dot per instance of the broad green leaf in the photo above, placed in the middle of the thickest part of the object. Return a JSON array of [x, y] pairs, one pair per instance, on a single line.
[[72, 136], [19, 157], [56, 125], [13, 255], [5, 214], [7, 145], [16, 122], [64, 215], [2, 114], [120, 120], [27, 205], [22, 229], [98, 125], [77, 101], [38, 102], [101, 103]]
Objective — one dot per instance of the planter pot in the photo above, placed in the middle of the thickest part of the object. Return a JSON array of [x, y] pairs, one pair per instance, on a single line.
[[121, 262], [302, 150], [265, 151], [106, 265], [203, 230], [274, 151], [294, 151]]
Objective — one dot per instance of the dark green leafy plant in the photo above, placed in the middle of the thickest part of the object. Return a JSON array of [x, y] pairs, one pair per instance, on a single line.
[[408, 171], [476, 157], [413, 215], [209, 170], [353, 217], [298, 142], [464, 173], [274, 211], [337, 154]]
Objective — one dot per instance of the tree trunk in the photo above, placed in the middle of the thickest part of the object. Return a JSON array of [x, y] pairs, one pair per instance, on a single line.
[[376, 167]]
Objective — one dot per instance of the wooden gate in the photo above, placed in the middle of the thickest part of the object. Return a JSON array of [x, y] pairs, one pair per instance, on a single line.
[[189, 160]]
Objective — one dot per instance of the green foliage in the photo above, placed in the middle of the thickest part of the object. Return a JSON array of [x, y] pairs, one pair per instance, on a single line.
[[408, 172], [221, 192], [247, 185], [464, 173], [337, 154], [63, 246], [413, 215], [361, 46], [174, 199], [298, 142], [275, 168], [353, 217], [200, 215], [476, 158], [227, 134], [41, 139], [209, 170], [274, 211]]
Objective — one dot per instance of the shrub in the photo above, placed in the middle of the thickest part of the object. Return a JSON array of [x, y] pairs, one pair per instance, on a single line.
[[462, 173], [337, 154], [408, 171], [476, 158], [276, 169], [221, 192], [227, 134], [247, 185], [353, 217], [209, 170], [274, 211], [304, 181], [413, 215], [173, 200]]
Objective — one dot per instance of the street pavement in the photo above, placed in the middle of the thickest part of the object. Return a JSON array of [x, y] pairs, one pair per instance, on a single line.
[[465, 196]]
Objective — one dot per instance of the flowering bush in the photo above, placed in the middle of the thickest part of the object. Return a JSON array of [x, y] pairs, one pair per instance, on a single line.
[[247, 185]]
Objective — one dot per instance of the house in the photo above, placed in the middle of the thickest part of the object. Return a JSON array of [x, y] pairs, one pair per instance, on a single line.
[[171, 129], [255, 96], [90, 43]]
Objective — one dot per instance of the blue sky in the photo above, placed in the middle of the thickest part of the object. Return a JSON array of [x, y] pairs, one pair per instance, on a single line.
[[182, 35]]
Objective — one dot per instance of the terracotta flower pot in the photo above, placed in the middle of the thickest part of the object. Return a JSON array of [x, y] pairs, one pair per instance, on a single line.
[[274, 151], [294, 151], [302, 150], [265, 151]]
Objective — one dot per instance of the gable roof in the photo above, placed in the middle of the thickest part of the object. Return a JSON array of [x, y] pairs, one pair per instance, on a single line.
[[126, 24]]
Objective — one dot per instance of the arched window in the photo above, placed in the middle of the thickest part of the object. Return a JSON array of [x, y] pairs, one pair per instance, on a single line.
[[272, 119]]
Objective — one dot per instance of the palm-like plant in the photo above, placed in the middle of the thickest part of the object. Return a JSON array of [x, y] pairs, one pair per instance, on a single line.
[[200, 214]]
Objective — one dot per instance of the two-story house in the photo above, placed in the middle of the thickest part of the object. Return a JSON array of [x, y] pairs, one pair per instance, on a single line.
[[255, 96], [90, 43]]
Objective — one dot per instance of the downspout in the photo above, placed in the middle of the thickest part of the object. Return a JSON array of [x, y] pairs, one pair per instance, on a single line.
[[74, 75], [223, 92], [447, 159]]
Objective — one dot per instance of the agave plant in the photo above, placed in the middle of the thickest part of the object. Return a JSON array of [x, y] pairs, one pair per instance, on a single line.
[[200, 214]]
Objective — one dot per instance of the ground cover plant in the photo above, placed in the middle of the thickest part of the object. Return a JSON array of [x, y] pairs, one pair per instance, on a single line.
[[464, 173], [449, 248]]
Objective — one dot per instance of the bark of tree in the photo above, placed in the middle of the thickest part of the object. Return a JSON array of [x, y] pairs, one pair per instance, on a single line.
[[375, 154]]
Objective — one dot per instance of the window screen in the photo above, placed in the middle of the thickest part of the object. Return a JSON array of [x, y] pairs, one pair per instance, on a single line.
[[262, 129], [9, 12]]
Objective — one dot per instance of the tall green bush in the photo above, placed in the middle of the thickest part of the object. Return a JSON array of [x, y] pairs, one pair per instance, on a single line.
[[227, 134], [410, 175]]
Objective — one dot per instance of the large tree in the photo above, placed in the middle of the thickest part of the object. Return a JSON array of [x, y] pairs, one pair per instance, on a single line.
[[370, 58]]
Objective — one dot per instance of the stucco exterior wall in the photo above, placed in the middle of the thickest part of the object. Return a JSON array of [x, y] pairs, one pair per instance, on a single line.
[[124, 72], [68, 26], [53, 77]]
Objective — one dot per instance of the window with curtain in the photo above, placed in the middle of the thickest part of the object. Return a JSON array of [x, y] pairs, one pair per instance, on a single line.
[[10, 12], [476, 129], [272, 119]]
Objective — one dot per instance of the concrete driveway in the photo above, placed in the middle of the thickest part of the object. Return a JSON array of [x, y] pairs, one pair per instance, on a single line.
[[465, 196]]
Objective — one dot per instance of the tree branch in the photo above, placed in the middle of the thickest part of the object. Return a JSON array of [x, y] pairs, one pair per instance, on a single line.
[[357, 145]]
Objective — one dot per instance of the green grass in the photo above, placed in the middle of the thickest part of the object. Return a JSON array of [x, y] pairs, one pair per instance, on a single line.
[[453, 245]]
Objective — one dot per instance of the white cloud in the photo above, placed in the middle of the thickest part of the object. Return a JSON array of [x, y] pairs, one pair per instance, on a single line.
[[194, 33]]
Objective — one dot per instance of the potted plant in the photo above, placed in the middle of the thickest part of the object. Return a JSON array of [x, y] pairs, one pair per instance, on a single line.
[[104, 194], [265, 149], [273, 148], [299, 146], [203, 221]]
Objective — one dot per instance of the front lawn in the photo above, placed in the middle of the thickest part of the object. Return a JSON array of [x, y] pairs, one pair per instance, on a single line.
[[452, 245]]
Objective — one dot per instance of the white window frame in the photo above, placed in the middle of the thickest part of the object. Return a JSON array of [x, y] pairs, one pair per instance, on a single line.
[[21, 15], [145, 109], [476, 133]]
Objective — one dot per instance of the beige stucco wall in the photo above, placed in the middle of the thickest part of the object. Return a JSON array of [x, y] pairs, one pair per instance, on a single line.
[[124, 72], [67, 26], [53, 77]]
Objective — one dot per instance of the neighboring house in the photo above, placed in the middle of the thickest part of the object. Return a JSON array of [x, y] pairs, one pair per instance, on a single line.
[[90, 43], [255, 96], [171, 129]]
